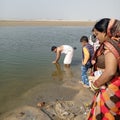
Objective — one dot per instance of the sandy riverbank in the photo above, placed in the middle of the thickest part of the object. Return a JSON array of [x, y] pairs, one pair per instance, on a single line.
[[71, 99], [46, 23]]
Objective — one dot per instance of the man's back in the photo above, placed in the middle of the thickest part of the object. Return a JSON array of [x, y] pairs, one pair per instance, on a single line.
[[66, 49]]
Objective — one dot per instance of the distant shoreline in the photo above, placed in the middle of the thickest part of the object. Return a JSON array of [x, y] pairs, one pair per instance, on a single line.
[[46, 23]]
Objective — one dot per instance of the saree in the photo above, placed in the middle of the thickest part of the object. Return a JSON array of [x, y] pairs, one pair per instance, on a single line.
[[106, 102]]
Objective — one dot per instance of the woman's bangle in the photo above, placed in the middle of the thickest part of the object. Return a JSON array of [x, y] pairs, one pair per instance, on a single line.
[[94, 87]]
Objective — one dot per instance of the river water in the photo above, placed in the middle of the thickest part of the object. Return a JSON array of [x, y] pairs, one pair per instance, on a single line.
[[26, 58]]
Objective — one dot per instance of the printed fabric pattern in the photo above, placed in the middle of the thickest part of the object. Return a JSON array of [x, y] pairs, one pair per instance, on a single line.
[[106, 103]]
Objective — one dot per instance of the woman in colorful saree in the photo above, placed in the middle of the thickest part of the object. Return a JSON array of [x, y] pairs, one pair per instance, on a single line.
[[106, 101]]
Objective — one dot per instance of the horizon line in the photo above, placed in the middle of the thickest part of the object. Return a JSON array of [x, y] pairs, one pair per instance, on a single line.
[[46, 20]]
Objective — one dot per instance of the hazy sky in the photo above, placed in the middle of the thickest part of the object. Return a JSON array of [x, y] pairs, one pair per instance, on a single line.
[[59, 9]]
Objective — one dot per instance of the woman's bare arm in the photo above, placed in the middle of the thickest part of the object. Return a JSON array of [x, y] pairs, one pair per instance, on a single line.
[[110, 69]]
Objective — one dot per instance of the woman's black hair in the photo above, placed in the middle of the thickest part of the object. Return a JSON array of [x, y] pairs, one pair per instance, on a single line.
[[102, 25]]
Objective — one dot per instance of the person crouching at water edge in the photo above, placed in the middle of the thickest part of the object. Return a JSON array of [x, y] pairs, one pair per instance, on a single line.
[[66, 49]]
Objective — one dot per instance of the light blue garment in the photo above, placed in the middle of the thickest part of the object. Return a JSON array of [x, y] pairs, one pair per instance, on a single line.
[[84, 77]]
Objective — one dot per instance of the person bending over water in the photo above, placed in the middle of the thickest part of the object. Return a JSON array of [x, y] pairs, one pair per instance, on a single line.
[[65, 49]]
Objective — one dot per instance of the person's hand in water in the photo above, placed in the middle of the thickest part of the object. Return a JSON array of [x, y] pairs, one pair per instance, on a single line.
[[54, 62]]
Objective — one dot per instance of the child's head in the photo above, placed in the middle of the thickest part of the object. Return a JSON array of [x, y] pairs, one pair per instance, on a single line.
[[84, 40]]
